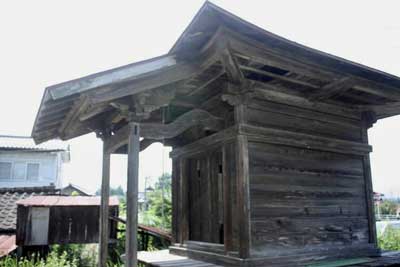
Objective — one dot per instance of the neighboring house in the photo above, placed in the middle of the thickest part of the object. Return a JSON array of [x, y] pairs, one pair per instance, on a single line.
[[72, 189], [24, 164], [8, 212]]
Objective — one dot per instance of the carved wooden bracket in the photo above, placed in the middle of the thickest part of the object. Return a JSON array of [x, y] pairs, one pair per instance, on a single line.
[[159, 131]]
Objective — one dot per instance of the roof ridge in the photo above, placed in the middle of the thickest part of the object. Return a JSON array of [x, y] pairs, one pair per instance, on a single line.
[[28, 189], [16, 136]]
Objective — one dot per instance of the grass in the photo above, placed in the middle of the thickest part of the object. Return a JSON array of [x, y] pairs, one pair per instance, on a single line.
[[53, 260], [390, 239]]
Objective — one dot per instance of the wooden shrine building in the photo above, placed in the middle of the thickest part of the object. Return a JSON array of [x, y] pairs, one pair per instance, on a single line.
[[270, 150]]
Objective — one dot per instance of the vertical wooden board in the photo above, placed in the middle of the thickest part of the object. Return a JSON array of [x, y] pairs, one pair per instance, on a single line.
[[22, 225], [193, 204], [39, 226]]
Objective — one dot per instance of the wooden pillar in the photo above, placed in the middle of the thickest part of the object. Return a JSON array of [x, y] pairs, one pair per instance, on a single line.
[[226, 152], [104, 209], [242, 185], [184, 203], [132, 196], [369, 192]]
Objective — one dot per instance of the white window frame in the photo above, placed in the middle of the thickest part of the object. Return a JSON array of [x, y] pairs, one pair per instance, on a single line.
[[11, 171], [38, 176], [13, 178]]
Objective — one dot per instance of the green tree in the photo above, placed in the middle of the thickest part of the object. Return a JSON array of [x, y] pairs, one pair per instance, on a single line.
[[388, 207], [159, 202], [114, 191]]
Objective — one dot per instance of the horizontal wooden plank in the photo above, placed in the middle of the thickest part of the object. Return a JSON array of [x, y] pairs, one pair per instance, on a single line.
[[306, 179], [312, 211], [295, 139], [279, 120], [302, 159], [270, 93], [302, 112], [286, 225]]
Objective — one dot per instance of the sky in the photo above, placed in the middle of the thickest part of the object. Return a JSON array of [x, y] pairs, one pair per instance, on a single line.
[[45, 42]]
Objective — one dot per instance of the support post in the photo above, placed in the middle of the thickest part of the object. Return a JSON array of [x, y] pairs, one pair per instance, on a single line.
[[184, 201], [369, 192], [242, 185], [226, 152], [132, 195], [104, 209]]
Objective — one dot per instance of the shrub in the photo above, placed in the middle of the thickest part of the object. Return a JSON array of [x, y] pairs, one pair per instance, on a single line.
[[390, 239], [53, 260]]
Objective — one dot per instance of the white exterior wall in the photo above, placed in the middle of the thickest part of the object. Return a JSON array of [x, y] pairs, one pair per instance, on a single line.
[[50, 168]]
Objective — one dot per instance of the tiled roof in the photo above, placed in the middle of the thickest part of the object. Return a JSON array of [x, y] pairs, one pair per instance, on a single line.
[[12, 142], [8, 203]]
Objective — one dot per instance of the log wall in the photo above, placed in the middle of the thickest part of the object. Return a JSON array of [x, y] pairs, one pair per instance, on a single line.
[[305, 199]]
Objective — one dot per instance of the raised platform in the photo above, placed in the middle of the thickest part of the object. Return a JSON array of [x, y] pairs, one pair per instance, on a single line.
[[163, 258]]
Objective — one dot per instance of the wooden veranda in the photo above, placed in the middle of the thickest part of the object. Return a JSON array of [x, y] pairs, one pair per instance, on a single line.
[[270, 148]]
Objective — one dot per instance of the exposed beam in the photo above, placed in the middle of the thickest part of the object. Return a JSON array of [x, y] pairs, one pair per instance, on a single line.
[[94, 111], [337, 87], [382, 111], [159, 131], [156, 79], [208, 82], [279, 77], [266, 92], [375, 89], [231, 66]]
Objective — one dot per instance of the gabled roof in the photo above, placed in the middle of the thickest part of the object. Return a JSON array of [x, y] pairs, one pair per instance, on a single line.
[[210, 17], [64, 103], [14, 142], [73, 187]]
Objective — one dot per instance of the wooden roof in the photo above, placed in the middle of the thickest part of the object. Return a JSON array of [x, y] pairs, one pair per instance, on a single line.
[[216, 50]]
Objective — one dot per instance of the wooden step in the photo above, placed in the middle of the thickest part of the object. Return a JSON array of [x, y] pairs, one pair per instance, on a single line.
[[163, 258]]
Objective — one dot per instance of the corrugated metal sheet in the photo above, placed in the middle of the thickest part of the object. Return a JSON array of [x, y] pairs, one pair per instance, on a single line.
[[7, 244], [47, 201], [11, 142]]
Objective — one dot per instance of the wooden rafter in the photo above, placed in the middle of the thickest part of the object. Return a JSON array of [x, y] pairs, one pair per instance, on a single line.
[[332, 89]]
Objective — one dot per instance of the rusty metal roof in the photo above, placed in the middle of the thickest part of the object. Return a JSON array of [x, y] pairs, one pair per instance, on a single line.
[[7, 244], [13, 142], [48, 201]]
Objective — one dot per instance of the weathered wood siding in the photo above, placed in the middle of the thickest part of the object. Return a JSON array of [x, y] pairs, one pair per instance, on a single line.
[[303, 199], [205, 213], [66, 225]]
